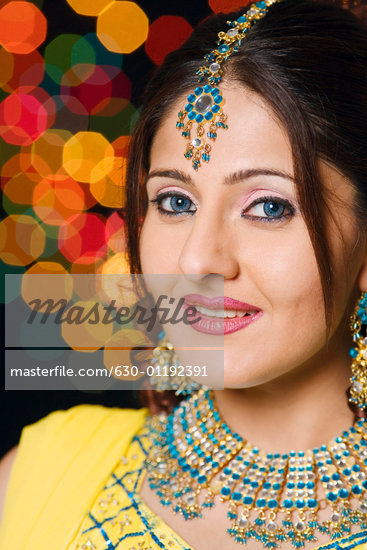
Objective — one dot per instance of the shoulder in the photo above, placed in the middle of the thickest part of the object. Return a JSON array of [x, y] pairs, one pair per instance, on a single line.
[[81, 421], [53, 440]]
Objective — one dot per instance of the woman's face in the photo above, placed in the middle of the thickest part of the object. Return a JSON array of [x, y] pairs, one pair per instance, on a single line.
[[239, 216]]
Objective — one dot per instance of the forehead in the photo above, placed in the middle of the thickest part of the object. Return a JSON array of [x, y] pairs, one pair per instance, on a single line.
[[254, 136]]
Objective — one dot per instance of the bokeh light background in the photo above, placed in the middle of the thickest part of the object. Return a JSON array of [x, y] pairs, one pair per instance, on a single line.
[[71, 72], [71, 77]]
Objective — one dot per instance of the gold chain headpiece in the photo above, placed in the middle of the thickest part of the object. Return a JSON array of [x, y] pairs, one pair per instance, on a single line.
[[204, 107]]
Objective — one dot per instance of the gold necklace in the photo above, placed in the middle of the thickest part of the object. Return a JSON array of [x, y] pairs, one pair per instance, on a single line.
[[271, 497]]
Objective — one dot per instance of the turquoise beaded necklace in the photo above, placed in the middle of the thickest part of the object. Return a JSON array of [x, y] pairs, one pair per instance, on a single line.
[[271, 497]]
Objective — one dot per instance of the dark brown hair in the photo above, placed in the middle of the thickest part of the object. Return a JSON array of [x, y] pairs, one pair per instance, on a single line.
[[308, 60]]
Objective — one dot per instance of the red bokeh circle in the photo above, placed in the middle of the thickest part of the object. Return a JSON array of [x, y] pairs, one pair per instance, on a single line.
[[166, 34]]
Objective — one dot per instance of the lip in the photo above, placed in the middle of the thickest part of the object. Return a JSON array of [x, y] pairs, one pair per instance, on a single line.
[[219, 302], [219, 325]]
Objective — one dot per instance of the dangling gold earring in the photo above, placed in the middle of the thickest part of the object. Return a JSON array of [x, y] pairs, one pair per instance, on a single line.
[[357, 393], [164, 356]]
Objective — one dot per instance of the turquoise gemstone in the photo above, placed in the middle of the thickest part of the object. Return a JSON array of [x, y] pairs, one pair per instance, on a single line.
[[312, 503], [215, 109], [207, 88], [202, 479], [288, 503], [209, 116], [218, 99], [261, 503], [191, 98], [223, 48], [356, 490], [199, 118], [242, 19], [236, 496], [343, 493], [332, 496], [215, 91], [191, 116], [198, 91], [261, 5], [300, 504], [248, 501], [226, 491], [272, 503], [354, 353]]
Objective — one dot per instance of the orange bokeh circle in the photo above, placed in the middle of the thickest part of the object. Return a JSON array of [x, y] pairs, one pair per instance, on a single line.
[[55, 200], [23, 27], [22, 240]]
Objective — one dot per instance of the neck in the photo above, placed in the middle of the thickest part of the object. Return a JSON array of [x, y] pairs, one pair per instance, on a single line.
[[299, 411]]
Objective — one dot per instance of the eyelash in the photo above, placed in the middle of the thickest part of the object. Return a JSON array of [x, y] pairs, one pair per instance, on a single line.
[[261, 200]]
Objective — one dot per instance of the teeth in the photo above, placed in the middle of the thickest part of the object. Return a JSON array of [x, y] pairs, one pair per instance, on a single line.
[[223, 314]]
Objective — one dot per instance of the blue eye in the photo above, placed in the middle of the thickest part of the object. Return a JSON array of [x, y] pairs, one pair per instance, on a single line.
[[274, 209], [179, 203], [176, 205], [269, 209]]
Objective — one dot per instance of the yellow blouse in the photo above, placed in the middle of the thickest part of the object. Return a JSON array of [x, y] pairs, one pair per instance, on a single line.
[[75, 486]]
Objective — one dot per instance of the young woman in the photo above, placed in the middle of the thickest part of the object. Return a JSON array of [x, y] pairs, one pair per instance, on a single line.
[[276, 208]]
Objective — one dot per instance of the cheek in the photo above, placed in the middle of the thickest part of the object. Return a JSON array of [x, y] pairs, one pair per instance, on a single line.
[[282, 266], [158, 246]]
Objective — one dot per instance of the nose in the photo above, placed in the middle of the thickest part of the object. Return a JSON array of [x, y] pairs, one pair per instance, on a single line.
[[208, 250]]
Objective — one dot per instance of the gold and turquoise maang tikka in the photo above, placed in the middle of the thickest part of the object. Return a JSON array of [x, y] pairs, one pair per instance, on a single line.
[[203, 112]]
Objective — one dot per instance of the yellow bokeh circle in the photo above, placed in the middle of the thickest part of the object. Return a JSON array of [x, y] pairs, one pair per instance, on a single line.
[[39, 283], [88, 157], [83, 327], [122, 27], [88, 7]]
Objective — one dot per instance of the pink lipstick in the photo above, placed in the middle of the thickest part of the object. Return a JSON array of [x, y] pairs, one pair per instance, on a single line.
[[221, 314]]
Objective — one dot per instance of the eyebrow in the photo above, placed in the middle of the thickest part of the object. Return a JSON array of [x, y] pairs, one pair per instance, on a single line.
[[231, 179]]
